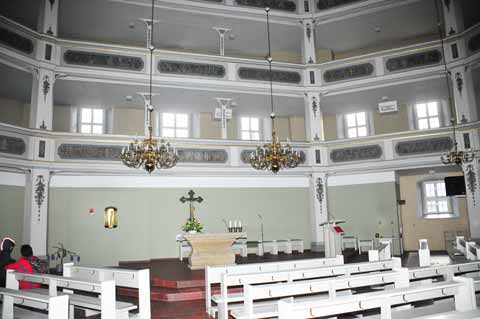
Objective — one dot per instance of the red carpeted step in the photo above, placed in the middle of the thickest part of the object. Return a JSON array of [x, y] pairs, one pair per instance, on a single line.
[[174, 294], [157, 282]]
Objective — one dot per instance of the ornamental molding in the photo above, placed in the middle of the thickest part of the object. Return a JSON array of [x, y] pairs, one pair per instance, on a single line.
[[16, 41], [12, 145], [348, 72], [471, 181], [327, 4], [282, 5], [414, 60], [424, 146], [245, 156], [247, 73], [358, 153], [103, 60], [320, 192], [198, 155], [189, 68], [40, 191]]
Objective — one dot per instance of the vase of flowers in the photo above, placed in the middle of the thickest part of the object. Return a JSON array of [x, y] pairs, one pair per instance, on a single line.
[[61, 254], [192, 226]]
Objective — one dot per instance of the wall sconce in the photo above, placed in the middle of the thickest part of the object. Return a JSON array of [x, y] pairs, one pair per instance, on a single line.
[[111, 217]]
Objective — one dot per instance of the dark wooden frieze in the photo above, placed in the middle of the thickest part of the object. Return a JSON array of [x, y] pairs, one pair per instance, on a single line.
[[348, 72], [414, 60], [327, 4], [424, 146], [264, 75], [188, 68], [359, 153], [474, 43], [103, 60], [12, 145], [245, 156], [16, 41], [283, 5], [197, 155]]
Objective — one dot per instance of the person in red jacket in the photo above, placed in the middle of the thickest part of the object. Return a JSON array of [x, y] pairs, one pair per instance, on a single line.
[[26, 264]]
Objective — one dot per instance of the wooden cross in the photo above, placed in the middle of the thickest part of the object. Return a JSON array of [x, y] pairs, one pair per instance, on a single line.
[[191, 199]]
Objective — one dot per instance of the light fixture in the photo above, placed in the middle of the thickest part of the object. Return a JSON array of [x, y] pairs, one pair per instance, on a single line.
[[273, 156], [455, 156], [110, 217], [149, 153]]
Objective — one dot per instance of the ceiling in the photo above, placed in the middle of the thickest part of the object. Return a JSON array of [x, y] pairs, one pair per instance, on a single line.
[[471, 12], [18, 86], [368, 99], [80, 93], [16, 10]]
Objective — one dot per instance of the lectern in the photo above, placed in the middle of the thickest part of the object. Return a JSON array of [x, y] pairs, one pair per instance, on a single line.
[[332, 237]]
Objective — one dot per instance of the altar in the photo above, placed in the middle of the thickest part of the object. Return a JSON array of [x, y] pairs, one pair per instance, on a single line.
[[211, 249]]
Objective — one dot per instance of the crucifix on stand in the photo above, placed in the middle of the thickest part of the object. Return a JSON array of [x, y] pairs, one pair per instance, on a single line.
[[191, 199]]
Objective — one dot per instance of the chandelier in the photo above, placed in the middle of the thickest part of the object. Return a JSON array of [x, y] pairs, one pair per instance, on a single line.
[[149, 153], [275, 155]]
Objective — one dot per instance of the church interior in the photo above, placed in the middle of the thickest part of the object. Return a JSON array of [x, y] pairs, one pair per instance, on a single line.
[[201, 159]]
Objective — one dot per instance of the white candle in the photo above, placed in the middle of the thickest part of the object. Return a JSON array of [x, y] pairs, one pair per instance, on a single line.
[[230, 224], [240, 223], [235, 223]]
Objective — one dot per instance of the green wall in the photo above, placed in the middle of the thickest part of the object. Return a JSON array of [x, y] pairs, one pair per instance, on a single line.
[[367, 208], [12, 199], [150, 218]]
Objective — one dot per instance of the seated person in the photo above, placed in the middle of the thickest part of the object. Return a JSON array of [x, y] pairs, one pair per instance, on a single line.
[[6, 248], [26, 264]]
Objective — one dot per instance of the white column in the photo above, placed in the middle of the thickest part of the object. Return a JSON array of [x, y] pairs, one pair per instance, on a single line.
[[313, 117], [221, 37], [308, 43], [109, 120], [453, 16], [73, 119], [36, 210], [472, 183], [48, 20], [464, 94], [196, 125], [267, 129], [225, 115], [41, 107], [318, 208]]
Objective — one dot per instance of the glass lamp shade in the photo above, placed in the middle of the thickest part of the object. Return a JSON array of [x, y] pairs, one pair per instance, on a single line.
[[110, 217]]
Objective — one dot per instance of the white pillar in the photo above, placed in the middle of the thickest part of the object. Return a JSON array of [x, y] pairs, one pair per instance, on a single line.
[[109, 120], [472, 183], [308, 43], [41, 107], [313, 117], [267, 129], [225, 115], [452, 12], [221, 37], [318, 208], [36, 210], [464, 94], [48, 20], [196, 125]]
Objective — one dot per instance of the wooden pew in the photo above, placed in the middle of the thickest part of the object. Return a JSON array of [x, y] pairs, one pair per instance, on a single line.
[[398, 278], [213, 275], [223, 299], [460, 288], [138, 279], [106, 303], [57, 306]]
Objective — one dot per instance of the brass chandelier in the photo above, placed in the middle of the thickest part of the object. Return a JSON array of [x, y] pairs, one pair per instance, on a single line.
[[275, 155], [149, 153]]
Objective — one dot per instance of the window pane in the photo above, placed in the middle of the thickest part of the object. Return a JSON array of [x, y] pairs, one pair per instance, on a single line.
[[351, 120], [443, 206], [434, 122], [432, 109], [430, 190], [98, 116], [441, 192], [352, 132], [86, 116], [431, 206], [245, 135], [245, 123], [168, 132], [86, 128], [97, 129], [421, 110], [362, 131], [255, 136], [168, 120], [423, 124], [361, 119], [182, 120], [182, 133], [254, 124]]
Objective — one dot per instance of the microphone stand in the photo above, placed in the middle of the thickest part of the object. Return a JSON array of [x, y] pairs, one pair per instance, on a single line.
[[261, 231]]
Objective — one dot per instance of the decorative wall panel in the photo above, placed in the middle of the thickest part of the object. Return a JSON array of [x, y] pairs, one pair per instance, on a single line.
[[283, 5], [474, 43], [103, 60], [16, 41], [245, 156], [196, 155], [348, 72], [12, 145], [359, 153], [424, 146], [264, 75], [327, 4], [414, 60], [188, 68]]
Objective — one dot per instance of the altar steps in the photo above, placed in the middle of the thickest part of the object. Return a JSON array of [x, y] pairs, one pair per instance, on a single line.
[[174, 294]]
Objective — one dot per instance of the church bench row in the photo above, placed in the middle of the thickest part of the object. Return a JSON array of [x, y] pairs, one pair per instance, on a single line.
[[223, 299], [453, 315], [213, 275], [57, 306], [460, 288], [469, 249], [446, 271], [106, 302], [311, 288], [138, 279]]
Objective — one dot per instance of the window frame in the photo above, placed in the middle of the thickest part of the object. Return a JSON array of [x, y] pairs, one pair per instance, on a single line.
[[439, 115], [357, 126], [452, 211], [91, 123], [250, 131], [175, 127]]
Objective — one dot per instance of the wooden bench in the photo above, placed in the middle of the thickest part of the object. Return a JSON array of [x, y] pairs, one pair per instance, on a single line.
[[57, 306], [213, 275], [138, 279], [224, 298], [106, 303], [460, 288], [267, 309]]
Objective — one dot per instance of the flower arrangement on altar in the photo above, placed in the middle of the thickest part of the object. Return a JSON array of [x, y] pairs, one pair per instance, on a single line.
[[61, 254], [192, 226]]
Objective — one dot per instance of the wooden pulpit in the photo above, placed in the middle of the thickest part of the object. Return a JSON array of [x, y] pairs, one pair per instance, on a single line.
[[332, 237]]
